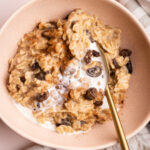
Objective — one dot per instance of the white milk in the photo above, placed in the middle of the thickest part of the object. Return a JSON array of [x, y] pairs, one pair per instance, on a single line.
[[56, 95]]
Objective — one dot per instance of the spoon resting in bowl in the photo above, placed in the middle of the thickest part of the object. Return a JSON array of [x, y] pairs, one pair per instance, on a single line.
[[116, 120]]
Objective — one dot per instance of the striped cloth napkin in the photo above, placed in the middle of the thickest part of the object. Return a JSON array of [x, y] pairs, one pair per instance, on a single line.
[[135, 8], [142, 140]]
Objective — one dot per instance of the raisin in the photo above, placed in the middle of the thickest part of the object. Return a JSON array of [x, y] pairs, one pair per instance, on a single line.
[[129, 67], [59, 86], [58, 124], [87, 32], [34, 109], [87, 57], [66, 122], [70, 94], [72, 24], [89, 54], [22, 79], [98, 103], [122, 102], [125, 52], [35, 65], [45, 33], [116, 64], [38, 105], [61, 69], [91, 94], [90, 36], [37, 26], [42, 97], [54, 23], [94, 72], [69, 55], [112, 72], [95, 53], [17, 87], [67, 16], [40, 75], [82, 122]]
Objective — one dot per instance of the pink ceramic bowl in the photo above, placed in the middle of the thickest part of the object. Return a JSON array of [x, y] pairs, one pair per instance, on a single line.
[[136, 111]]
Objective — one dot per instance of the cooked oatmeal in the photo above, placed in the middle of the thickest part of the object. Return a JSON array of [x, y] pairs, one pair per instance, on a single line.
[[58, 72]]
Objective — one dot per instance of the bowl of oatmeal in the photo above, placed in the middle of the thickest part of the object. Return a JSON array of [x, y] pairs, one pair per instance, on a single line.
[[53, 74]]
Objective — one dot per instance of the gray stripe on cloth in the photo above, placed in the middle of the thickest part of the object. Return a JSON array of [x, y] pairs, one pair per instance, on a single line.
[[145, 20], [131, 5], [139, 13]]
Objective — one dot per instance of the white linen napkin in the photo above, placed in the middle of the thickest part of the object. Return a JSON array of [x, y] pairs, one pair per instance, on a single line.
[[142, 140]]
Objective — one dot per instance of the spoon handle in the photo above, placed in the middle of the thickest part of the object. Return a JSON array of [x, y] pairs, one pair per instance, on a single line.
[[117, 123]]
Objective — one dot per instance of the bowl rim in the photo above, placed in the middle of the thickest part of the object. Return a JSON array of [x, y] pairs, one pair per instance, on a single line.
[[36, 140]]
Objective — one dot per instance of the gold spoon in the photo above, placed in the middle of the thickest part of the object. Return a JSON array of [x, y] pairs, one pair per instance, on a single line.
[[116, 120]]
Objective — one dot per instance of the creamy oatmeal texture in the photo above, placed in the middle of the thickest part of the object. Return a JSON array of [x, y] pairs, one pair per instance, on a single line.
[[58, 73]]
